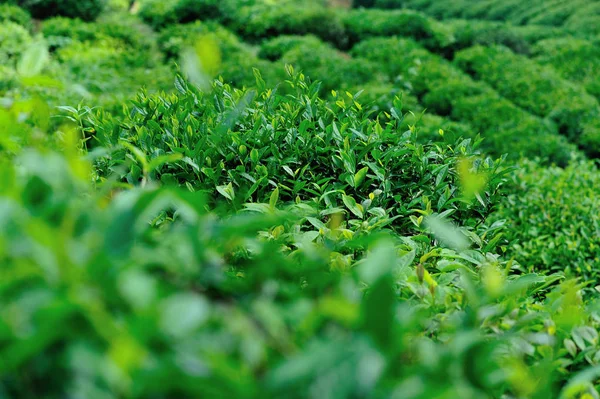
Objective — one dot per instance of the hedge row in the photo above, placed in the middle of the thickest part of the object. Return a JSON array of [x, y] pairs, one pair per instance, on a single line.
[[447, 91], [364, 24], [538, 89], [520, 39], [552, 223], [542, 12]]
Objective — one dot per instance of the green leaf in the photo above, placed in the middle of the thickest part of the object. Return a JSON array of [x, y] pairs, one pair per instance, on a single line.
[[254, 155], [227, 191], [139, 154], [580, 382], [163, 159], [379, 262], [360, 176], [182, 313], [447, 233], [351, 204], [378, 311], [33, 60], [260, 83], [274, 198]]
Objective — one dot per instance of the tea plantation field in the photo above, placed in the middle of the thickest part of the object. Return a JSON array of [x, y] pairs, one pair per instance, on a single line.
[[299, 199]]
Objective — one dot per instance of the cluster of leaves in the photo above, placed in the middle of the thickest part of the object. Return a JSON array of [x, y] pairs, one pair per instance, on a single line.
[[176, 139]]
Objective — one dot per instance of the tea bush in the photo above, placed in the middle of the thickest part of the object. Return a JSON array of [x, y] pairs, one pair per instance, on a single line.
[[61, 27], [319, 59], [14, 39], [61, 31], [258, 154], [267, 20], [557, 15], [172, 40], [192, 10], [575, 59], [87, 10], [585, 27], [583, 22], [537, 89], [238, 58], [95, 71], [158, 13], [363, 24], [541, 12], [520, 39], [274, 49], [552, 214], [12, 13], [161, 13]]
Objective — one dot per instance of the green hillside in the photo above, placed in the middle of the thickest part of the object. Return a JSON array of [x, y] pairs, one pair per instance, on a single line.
[[299, 199]]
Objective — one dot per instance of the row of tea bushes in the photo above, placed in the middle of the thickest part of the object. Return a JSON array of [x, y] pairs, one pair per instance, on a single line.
[[447, 91], [538, 89], [541, 12]]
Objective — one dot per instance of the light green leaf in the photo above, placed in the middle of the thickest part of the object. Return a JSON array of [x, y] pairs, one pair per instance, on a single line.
[[274, 198], [351, 204], [163, 159], [447, 233], [33, 59], [226, 191], [360, 176]]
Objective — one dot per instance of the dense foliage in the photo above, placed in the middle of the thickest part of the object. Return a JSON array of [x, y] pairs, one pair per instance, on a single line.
[[247, 198], [85, 9]]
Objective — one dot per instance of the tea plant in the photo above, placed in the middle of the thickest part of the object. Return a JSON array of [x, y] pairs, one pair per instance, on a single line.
[[248, 198]]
